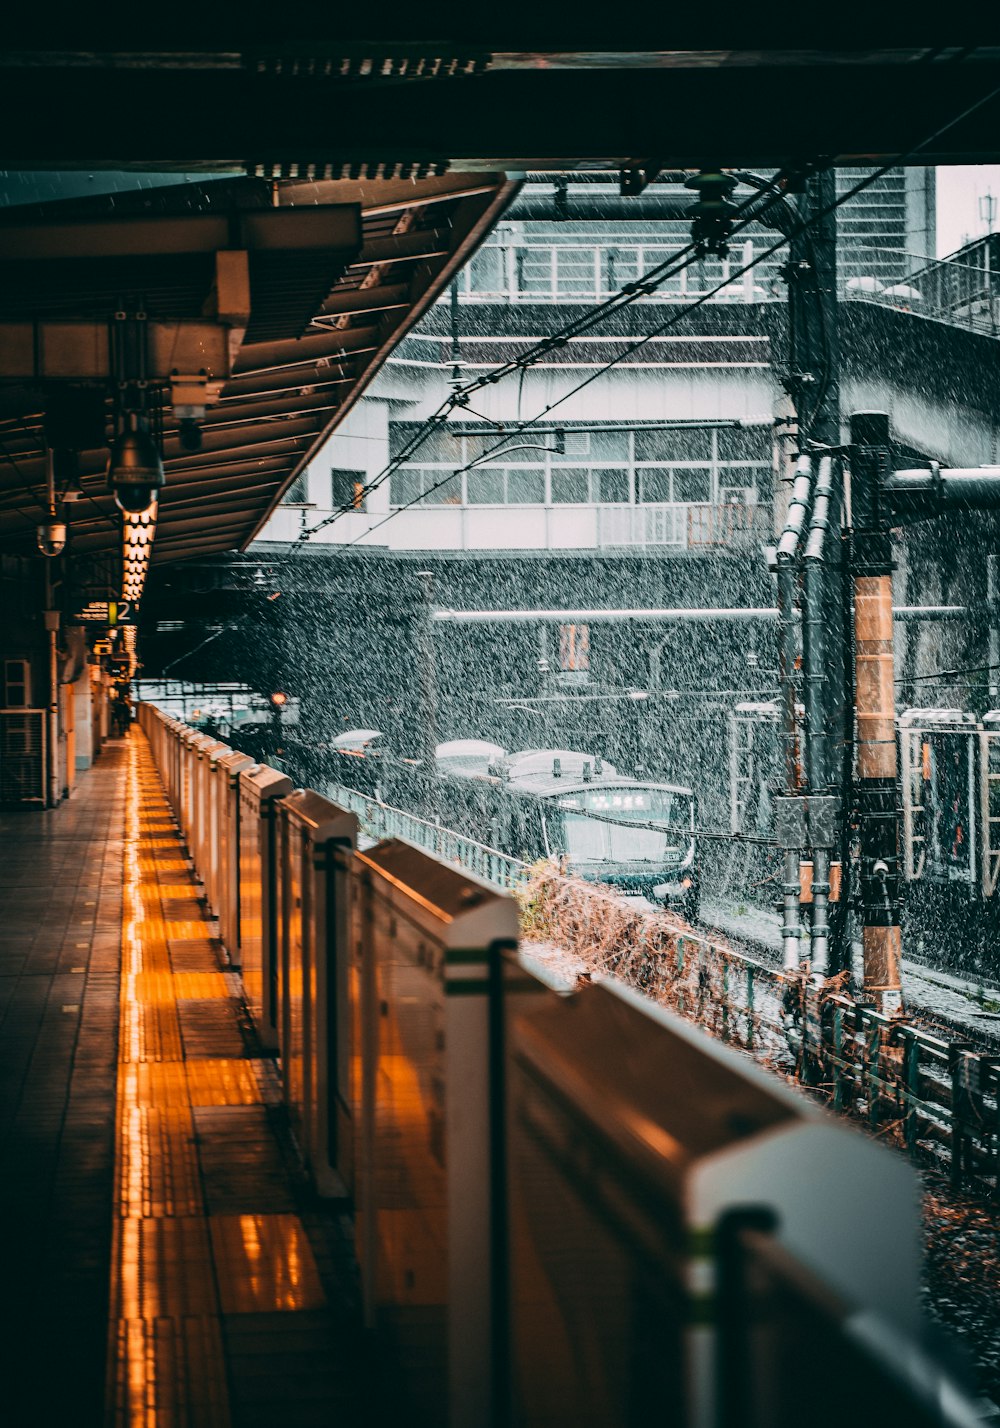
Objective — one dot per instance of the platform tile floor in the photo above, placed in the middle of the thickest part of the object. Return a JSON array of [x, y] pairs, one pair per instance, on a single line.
[[166, 1264]]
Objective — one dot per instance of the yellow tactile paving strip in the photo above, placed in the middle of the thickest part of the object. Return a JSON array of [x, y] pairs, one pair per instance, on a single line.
[[176, 1269]]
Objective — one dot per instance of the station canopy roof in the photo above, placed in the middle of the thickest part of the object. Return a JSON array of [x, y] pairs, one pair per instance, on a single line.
[[273, 301], [266, 201]]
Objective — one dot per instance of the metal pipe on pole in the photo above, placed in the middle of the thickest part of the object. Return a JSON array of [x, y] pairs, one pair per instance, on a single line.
[[930, 491], [678, 615], [821, 822], [51, 616], [877, 770], [790, 827]]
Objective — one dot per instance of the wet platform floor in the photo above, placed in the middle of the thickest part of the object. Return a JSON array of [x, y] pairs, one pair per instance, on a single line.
[[165, 1262]]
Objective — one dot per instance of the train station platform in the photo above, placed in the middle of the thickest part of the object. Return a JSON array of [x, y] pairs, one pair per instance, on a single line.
[[538, 1242], [165, 1263]]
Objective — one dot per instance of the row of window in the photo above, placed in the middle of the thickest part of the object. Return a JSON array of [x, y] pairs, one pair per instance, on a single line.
[[555, 447], [545, 270], [534, 486]]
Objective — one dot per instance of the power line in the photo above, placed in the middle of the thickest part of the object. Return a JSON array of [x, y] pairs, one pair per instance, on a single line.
[[944, 674], [628, 294]]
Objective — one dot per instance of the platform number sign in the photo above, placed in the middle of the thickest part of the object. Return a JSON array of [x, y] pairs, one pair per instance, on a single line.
[[112, 613]]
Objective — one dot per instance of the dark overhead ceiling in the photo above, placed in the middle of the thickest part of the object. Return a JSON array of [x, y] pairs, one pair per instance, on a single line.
[[515, 86], [356, 159], [337, 272]]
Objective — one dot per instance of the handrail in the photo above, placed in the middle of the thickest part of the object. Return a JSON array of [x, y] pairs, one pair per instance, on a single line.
[[382, 820]]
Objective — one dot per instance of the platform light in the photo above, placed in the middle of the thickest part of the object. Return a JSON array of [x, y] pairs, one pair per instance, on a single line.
[[278, 699], [138, 532]]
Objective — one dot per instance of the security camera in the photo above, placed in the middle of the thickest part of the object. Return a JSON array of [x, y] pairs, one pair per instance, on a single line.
[[135, 470], [51, 538]]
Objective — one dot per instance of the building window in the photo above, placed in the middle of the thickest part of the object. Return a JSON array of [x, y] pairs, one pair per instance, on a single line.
[[692, 484], [570, 485], [346, 489], [298, 492], [652, 466], [486, 488], [611, 486], [425, 488], [574, 647], [489, 486]]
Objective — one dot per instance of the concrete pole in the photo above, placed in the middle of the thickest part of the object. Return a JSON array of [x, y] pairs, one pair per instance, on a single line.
[[877, 771]]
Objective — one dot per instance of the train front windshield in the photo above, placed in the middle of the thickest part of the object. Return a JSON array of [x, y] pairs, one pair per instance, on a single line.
[[595, 825]]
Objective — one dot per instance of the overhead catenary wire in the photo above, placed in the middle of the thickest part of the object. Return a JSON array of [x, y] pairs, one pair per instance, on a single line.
[[630, 293]]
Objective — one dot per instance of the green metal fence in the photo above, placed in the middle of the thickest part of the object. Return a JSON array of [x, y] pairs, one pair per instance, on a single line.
[[381, 820], [940, 1098]]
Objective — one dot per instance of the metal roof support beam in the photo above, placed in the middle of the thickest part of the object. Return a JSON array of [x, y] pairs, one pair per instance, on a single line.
[[81, 351], [320, 346]]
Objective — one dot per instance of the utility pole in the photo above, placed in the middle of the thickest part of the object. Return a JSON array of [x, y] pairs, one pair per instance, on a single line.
[[814, 383], [877, 773]]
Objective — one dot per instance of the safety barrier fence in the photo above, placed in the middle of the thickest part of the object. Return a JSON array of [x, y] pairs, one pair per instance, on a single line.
[[941, 1098], [564, 1203], [382, 820]]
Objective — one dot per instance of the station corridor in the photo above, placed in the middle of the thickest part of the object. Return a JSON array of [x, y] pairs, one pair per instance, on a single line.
[[165, 1262]]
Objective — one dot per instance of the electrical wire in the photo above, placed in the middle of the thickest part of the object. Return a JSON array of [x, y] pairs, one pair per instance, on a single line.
[[630, 293], [946, 674]]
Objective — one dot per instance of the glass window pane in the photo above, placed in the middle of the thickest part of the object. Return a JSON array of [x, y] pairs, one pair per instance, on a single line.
[[673, 446], [654, 484], [485, 487], [609, 445], [448, 493], [404, 486], [525, 488], [486, 271], [692, 484], [433, 446], [613, 487], [745, 444], [741, 476], [570, 486]]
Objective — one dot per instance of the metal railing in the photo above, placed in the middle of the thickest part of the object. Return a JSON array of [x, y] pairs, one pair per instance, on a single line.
[[382, 820], [590, 272], [939, 1099], [686, 525], [963, 289]]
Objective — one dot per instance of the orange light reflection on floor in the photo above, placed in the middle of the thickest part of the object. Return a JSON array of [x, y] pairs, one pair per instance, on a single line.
[[175, 1268]]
